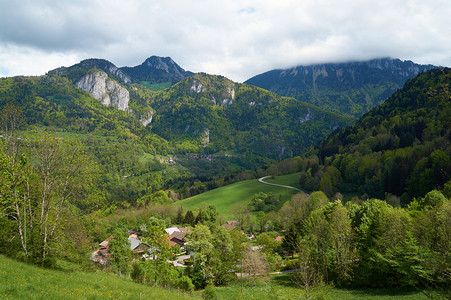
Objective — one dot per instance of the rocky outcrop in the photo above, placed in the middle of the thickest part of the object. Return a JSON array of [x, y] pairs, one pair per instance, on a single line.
[[147, 119], [197, 87], [307, 117], [108, 91], [205, 137], [224, 98]]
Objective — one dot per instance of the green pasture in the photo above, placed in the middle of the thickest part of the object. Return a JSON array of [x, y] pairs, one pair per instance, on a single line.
[[158, 86], [290, 180], [21, 281], [224, 198]]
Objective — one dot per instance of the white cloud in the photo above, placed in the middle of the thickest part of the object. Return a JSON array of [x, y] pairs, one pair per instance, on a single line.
[[237, 39], [17, 60]]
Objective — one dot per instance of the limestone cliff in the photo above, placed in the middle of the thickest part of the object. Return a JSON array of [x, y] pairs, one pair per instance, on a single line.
[[223, 98], [108, 91]]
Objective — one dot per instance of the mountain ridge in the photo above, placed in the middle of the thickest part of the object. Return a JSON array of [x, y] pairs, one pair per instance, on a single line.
[[157, 69], [351, 88]]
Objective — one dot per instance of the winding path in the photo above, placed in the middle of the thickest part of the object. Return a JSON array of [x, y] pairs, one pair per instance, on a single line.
[[275, 184]]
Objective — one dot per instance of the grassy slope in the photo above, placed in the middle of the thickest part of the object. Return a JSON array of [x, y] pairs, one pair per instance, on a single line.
[[224, 198], [21, 281], [290, 180], [282, 287]]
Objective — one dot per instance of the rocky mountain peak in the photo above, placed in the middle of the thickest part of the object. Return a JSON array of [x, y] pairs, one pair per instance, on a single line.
[[161, 63], [157, 69]]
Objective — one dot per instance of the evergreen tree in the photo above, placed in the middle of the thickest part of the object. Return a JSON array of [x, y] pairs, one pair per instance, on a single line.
[[189, 218], [290, 241]]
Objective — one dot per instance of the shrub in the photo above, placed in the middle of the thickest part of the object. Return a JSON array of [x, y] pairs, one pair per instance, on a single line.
[[185, 283], [210, 292]]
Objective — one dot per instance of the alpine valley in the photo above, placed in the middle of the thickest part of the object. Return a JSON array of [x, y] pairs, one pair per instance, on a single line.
[[193, 182], [151, 120]]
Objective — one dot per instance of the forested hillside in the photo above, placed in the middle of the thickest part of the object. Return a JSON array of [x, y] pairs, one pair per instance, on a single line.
[[401, 148], [350, 89], [218, 114]]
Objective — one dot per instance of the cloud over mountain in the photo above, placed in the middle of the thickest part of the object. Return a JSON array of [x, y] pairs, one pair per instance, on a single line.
[[235, 39]]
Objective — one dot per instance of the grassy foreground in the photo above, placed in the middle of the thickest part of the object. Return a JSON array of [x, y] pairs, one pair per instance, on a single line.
[[21, 281], [281, 286], [224, 198]]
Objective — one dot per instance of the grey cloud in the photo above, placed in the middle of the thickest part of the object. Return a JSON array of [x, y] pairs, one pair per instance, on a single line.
[[237, 39]]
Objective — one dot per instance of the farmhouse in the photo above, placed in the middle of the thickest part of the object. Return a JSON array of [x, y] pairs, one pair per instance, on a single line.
[[230, 225], [176, 236], [101, 255]]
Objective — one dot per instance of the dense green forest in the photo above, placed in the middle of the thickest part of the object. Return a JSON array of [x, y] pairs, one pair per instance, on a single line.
[[239, 117], [400, 148]]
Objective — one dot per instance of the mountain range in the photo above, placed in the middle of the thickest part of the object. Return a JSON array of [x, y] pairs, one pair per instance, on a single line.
[[129, 127], [205, 111], [349, 89]]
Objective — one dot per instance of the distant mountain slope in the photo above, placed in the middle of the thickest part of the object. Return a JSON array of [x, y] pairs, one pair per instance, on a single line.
[[347, 88], [156, 70]]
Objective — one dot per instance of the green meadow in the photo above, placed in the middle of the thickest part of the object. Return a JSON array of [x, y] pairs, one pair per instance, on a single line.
[[224, 198], [281, 287], [22, 281], [290, 180]]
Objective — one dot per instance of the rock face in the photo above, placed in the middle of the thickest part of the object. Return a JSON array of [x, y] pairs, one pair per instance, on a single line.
[[108, 91], [224, 98], [147, 118], [205, 137]]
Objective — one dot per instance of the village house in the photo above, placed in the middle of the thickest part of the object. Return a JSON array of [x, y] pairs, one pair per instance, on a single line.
[[230, 225], [101, 255], [176, 236]]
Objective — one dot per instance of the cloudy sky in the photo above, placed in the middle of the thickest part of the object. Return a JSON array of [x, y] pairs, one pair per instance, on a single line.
[[237, 39]]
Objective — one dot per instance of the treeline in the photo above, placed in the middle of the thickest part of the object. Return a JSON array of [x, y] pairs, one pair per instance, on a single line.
[[368, 243]]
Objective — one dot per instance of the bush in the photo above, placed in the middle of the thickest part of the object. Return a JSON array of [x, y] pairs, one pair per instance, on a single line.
[[210, 292], [138, 273], [188, 262], [185, 283]]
